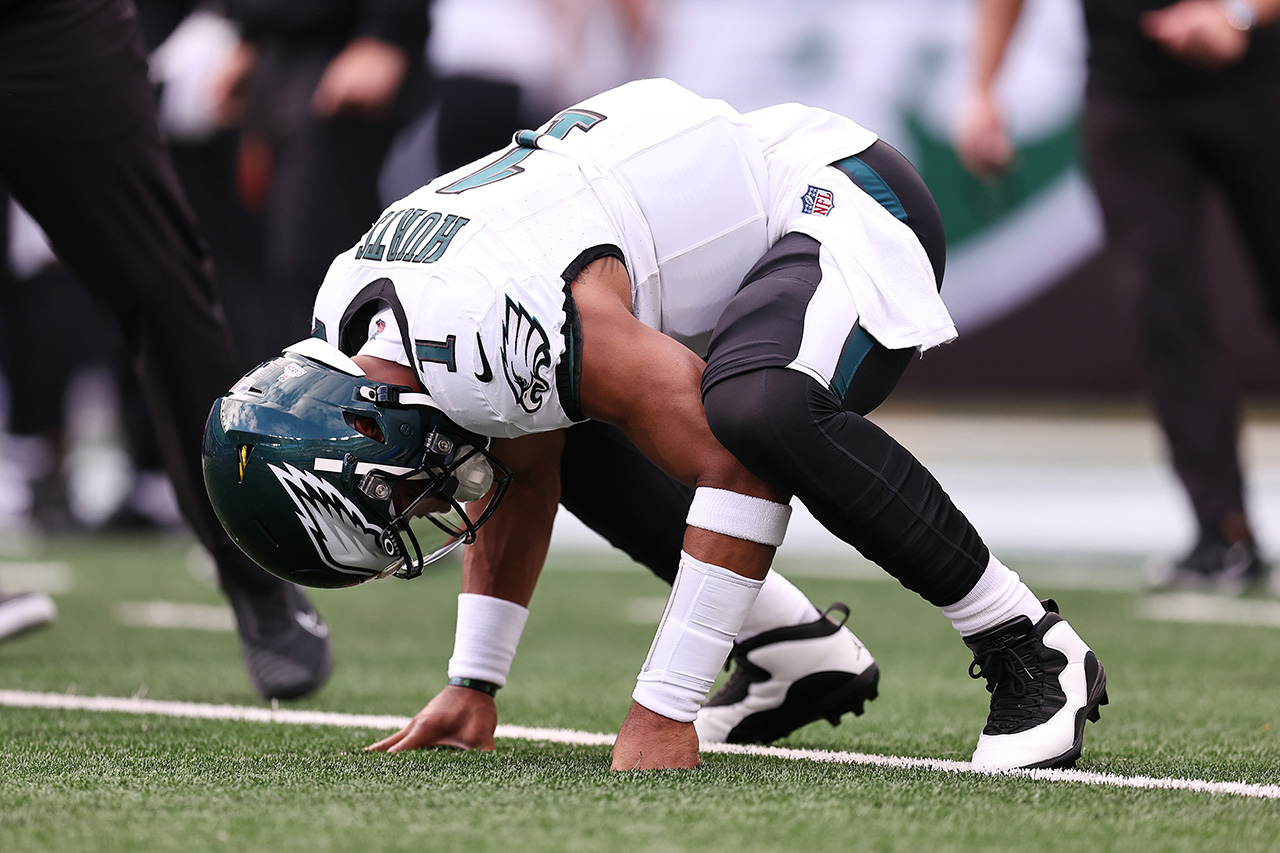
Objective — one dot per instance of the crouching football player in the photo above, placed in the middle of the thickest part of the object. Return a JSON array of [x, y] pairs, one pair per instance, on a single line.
[[581, 275]]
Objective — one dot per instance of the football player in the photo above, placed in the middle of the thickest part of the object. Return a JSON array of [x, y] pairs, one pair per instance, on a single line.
[[581, 275]]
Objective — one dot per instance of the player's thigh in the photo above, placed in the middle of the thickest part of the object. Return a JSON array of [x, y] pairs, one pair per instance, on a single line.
[[795, 311]]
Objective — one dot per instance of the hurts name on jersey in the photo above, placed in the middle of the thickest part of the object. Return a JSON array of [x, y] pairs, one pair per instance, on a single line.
[[412, 235]]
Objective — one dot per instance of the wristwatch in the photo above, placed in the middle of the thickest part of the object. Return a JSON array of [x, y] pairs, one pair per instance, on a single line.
[[1240, 14]]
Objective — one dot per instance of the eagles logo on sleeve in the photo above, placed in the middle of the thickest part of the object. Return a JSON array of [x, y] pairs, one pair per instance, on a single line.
[[526, 357]]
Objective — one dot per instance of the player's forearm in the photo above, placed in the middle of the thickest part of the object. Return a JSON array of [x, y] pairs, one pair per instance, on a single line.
[[501, 568], [507, 557], [728, 547], [499, 573], [996, 22]]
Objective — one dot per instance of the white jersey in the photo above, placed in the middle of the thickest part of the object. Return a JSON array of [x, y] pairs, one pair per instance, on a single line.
[[685, 190]]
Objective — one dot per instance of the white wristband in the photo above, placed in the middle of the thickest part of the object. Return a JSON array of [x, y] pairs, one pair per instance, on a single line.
[[488, 632], [707, 607], [741, 516]]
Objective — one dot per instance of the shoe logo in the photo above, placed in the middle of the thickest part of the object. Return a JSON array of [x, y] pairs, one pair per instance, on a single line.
[[485, 374], [312, 623]]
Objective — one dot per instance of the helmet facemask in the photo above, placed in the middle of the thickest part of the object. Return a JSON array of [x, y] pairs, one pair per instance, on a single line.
[[452, 473]]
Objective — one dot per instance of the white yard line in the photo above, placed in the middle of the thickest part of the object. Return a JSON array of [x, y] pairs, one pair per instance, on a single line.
[[24, 699], [1190, 607], [54, 577], [172, 614]]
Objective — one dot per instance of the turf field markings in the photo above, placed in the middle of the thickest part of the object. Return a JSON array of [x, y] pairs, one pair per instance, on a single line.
[[644, 611], [169, 614], [195, 710], [1190, 607], [54, 577]]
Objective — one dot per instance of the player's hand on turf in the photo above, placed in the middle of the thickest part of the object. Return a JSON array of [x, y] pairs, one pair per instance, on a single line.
[[457, 717], [650, 741]]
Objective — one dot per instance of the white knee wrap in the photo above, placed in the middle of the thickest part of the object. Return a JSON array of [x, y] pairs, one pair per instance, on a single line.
[[740, 516], [707, 607]]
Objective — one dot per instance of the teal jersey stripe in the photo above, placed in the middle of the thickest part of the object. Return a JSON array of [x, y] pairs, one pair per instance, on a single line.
[[860, 343], [874, 185]]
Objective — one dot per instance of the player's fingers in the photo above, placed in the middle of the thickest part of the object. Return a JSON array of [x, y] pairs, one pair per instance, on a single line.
[[420, 733], [386, 743]]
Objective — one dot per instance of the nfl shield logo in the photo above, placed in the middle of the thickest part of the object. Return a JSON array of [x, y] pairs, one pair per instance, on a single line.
[[817, 200]]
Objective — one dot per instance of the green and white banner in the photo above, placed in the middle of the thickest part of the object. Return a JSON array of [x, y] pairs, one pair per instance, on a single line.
[[902, 69]]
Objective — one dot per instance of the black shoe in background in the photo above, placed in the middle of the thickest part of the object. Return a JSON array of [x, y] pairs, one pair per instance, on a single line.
[[284, 642], [1217, 566]]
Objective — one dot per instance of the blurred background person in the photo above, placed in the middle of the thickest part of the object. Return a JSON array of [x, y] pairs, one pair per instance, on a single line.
[[39, 295], [506, 65], [86, 457], [81, 151], [318, 91], [1181, 99]]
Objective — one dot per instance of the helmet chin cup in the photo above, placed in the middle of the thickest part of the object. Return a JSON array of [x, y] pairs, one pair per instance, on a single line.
[[474, 476], [458, 527]]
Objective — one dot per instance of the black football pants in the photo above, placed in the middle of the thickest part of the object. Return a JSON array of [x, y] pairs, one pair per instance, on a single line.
[[1151, 162], [811, 438], [81, 151]]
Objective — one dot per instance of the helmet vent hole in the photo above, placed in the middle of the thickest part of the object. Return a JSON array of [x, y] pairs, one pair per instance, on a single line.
[[366, 426], [267, 531]]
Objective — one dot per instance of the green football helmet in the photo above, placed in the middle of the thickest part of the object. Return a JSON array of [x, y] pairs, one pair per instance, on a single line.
[[328, 479]]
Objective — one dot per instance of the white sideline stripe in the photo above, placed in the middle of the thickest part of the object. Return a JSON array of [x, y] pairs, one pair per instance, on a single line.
[[63, 701], [1190, 607], [170, 614], [54, 577]]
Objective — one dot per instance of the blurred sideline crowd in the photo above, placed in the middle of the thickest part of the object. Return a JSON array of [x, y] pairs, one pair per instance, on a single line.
[[291, 127]]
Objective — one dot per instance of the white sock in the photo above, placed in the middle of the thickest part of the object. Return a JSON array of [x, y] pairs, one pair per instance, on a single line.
[[779, 605], [998, 597]]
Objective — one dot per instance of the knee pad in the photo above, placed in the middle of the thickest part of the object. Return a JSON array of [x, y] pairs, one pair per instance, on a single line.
[[738, 412]]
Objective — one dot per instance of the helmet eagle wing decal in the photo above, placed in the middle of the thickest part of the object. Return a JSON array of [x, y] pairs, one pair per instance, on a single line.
[[342, 536]]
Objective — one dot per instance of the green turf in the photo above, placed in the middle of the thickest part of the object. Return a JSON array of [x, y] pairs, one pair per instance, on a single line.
[[1196, 701]]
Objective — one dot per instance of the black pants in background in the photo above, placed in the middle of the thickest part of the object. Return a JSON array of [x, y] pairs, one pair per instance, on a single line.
[[81, 151], [1151, 161]]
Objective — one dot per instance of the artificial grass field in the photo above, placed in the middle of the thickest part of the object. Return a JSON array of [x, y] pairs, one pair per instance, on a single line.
[[1195, 701]]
